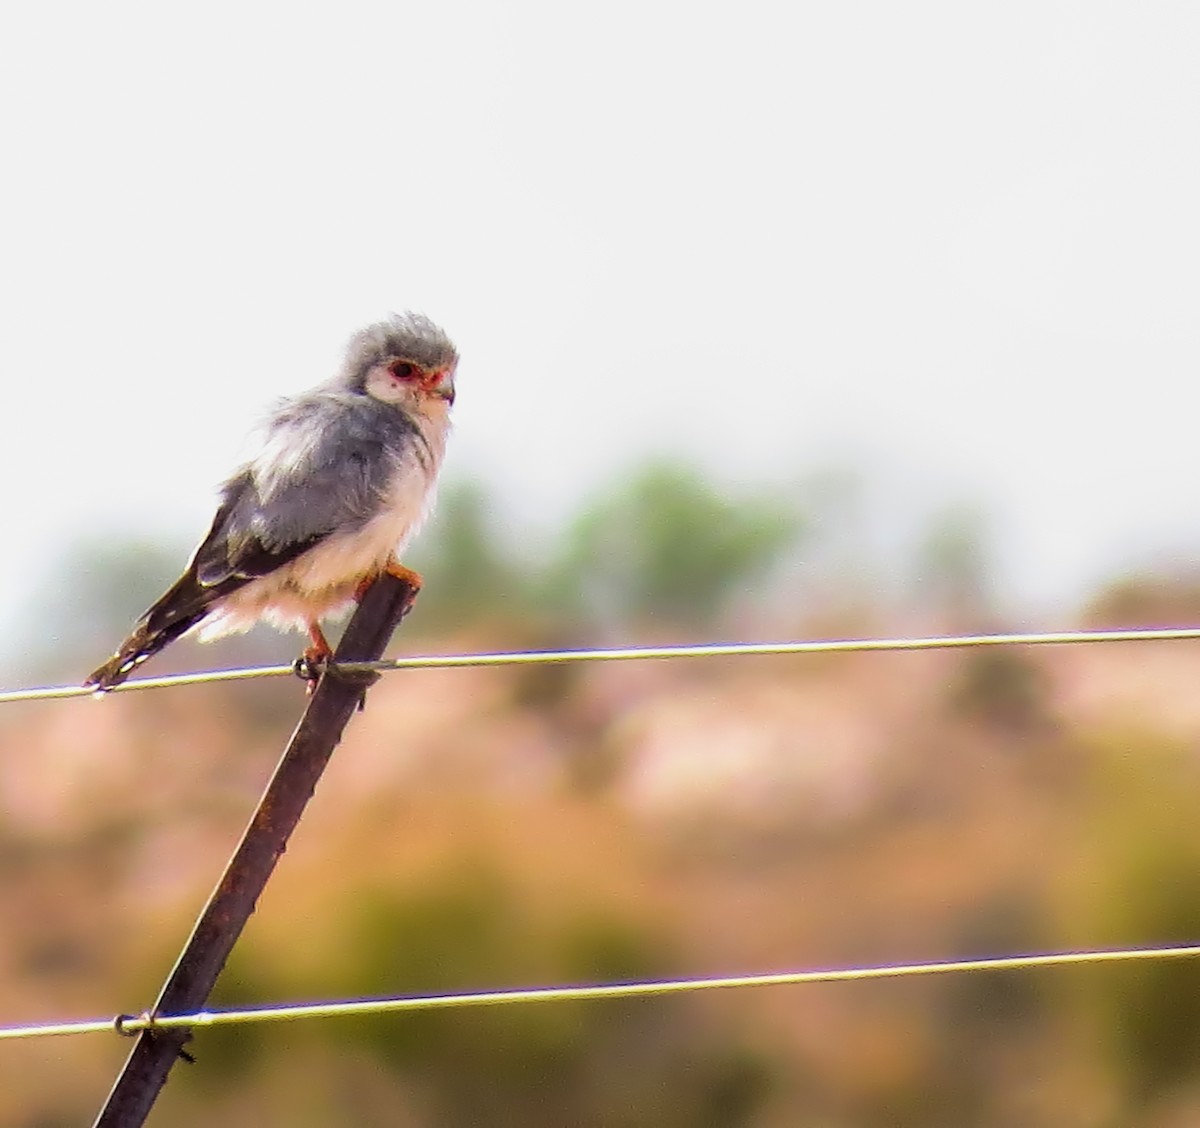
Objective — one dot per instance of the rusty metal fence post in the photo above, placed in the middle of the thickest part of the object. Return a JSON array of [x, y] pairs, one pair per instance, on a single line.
[[236, 894]]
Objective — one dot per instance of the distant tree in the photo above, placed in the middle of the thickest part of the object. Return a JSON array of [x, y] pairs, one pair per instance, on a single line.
[[667, 545], [468, 568], [1003, 689], [668, 1065], [1164, 598], [1134, 878], [954, 568]]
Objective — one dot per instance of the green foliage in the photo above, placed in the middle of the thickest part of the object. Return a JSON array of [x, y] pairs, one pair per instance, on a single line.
[[593, 1064], [1137, 881], [1004, 689], [667, 545], [469, 570], [953, 567]]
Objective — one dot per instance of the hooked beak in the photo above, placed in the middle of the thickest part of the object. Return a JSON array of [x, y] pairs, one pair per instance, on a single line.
[[442, 385]]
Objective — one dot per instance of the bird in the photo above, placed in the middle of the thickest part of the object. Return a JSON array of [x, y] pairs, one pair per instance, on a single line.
[[340, 479]]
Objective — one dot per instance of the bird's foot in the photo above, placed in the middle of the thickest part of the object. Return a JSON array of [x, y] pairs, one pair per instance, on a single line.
[[393, 567], [316, 659], [310, 666]]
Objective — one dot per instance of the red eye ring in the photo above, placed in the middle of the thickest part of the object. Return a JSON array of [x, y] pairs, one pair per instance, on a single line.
[[403, 370]]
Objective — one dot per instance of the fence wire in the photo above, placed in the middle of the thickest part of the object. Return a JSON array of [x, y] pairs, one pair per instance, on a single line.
[[133, 1024], [629, 653]]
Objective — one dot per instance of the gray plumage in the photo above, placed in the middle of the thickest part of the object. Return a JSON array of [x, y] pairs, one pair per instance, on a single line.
[[327, 462], [424, 344], [340, 481]]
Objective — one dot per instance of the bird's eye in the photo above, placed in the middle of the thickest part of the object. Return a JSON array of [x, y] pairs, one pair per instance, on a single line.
[[402, 370]]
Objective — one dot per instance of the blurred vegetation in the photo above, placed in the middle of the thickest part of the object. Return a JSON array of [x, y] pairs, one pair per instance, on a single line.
[[471, 927], [1156, 598], [472, 571], [483, 829], [667, 546], [954, 568]]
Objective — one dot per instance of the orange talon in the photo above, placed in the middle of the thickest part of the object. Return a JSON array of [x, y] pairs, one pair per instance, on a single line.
[[393, 567], [405, 575]]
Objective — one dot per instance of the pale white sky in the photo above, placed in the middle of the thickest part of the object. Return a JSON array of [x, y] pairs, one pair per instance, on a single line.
[[956, 243]]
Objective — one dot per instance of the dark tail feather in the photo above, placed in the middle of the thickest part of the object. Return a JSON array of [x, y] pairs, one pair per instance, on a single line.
[[174, 614], [139, 646]]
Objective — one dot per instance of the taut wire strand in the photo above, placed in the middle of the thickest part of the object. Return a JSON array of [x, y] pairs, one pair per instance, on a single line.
[[129, 1025], [633, 653]]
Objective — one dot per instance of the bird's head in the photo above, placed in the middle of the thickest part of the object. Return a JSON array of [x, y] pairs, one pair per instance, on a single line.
[[405, 360]]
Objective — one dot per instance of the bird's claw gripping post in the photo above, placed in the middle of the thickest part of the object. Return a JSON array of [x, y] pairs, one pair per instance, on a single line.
[[317, 660], [407, 576]]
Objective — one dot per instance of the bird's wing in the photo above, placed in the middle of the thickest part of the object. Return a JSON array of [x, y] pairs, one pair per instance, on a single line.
[[245, 543], [325, 466]]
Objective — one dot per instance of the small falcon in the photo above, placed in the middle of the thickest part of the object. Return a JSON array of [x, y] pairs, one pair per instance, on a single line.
[[342, 478]]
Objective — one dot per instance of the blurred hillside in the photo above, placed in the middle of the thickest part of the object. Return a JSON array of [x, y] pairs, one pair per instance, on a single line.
[[488, 828]]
